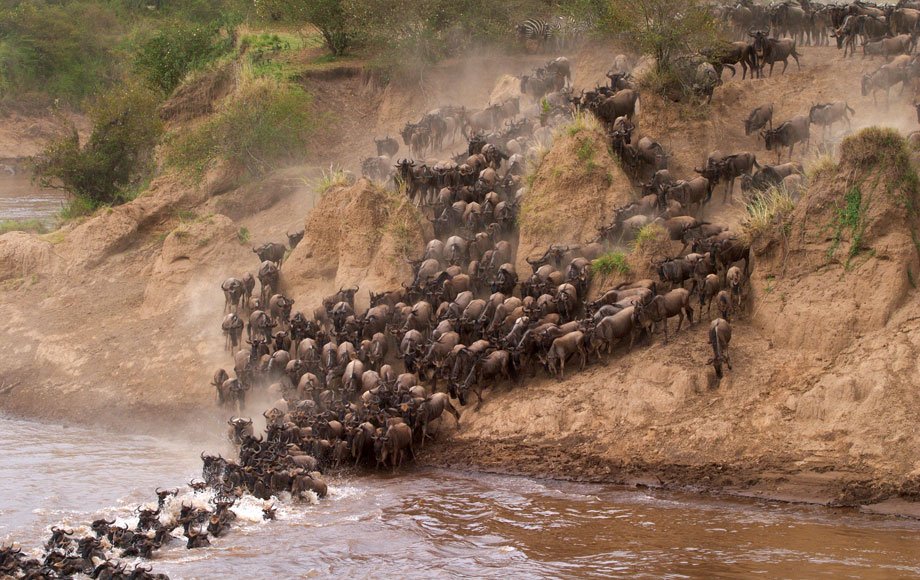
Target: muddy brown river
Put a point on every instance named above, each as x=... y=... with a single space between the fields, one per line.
x=21 y=200
x=428 y=523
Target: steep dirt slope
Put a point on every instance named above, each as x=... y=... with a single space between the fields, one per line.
x=574 y=191
x=358 y=235
x=822 y=402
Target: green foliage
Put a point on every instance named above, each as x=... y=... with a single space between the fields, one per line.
x=31 y=225
x=264 y=126
x=851 y=216
x=649 y=235
x=585 y=151
x=61 y=49
x=269 y=54
x=611 y=262
x=177 y=48
x=243 y=235
x=663 y=28
x=77 y=207
x=126 y=128
x=333 y=18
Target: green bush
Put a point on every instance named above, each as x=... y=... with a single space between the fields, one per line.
x=125 y=130
x=266 y=125
x=178 y=48
x=610 y=263
x=63 y=50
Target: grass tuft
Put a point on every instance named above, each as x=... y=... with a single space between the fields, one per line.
x=610 y=263
x=30 y=225
x=334 y=177
x=766 y=207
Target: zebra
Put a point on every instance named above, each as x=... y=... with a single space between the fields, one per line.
x=536 y=30
x=567 y=32
x=560 y=33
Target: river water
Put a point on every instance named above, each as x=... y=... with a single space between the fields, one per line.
x=20 y=199
x=429 y=523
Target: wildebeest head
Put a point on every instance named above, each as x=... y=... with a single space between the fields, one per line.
x=294 y=239
x=769 y=137
x=866 y=80
x=407 y=132
x=760 y=41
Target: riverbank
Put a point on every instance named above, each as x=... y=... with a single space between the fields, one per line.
x=115 y=320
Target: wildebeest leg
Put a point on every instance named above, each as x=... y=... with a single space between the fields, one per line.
x=785 y=64
x=797 y=63
x=689 y=311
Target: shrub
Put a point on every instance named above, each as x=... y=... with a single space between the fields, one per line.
x=243 y=235
x=59 y=49
x=611 y=262
x=649 y=236
x=125 y=130
x=663 y=28
x=265 y=126
x=176 y=49
x=332 y=18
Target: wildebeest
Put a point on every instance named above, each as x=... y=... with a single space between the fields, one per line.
x=620 y=104
x=888 y=47
x=827 y=114
x=720 y=334
x=294 y=239
x=271 y=252
x=759 y=118
x=770 y=51
x=883 y=79
x=795 y=130
x=387 y=146
x=563 y=348
x=662 y=307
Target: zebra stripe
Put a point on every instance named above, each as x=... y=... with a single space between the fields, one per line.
x=535 y=29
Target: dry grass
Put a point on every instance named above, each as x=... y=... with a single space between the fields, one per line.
x=766 y=208
x=581 y=121
x=333 y=177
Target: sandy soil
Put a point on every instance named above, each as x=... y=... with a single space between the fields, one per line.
x=116 y=319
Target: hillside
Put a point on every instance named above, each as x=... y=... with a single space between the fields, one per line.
x=116 y=319
x=819 y=406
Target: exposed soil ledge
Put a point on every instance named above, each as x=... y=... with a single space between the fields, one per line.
x=572 y=460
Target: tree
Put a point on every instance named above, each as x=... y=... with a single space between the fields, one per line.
x=125 y=130
x=664 y=29
x=331 y=17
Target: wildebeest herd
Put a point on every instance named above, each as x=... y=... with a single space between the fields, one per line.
x=350 y=386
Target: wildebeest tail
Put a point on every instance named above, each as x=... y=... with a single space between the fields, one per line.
x=847 y=105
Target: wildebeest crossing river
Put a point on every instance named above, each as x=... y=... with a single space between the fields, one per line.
x=437 y=523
